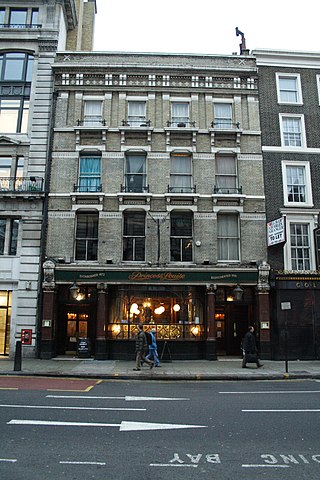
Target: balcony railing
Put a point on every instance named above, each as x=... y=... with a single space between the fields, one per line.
x=20 y=25
x=128 y=189
x=87 y=188
x=21 y=184
x=227 y=190
x=225 y=125
x=136 y=123
x=182 y=124
x=182 y=189
x=91 y=123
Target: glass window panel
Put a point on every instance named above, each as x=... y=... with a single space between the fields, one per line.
x=30 y=61
x=9 y=115
x=228 y=237
x=288 y=89
x=181 y=224
x=20 y=167
x=136 y=113
x=181 y=237
x=179 y=114
x=14 y=66
x=134 y=236
x=296 y=184
x=2 y=235
x=14 y=237
x=226 y=175
x=135 y=178
x=300 y=246
x=25 y=117
x=292 y=131
x=18 y=17
x=5 y=166
x=90 y=174
x=34 y=16
x=222 y=115
x=87 y=237
x=93 y=112
x=134 y=224
x=2 y=14
x=181 y=173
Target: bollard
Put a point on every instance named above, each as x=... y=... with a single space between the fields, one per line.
x=18 y=357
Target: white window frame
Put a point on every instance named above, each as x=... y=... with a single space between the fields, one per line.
x=183 y=120
x=299 y=219
x=226 y=182
x=92 y=120
x=296 y=76
x=308 y=186
x=236 y=216
x=282 y=116
x=222 y=126
x=134 y=120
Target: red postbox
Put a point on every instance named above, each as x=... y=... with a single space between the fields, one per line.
x=26 y=337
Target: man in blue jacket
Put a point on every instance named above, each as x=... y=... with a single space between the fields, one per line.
x=153 y=349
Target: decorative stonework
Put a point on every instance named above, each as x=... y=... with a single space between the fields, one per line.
x=263 y=277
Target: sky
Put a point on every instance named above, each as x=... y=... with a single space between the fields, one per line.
x=203 y=26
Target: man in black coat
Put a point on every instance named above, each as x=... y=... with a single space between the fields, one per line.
x=249 y=347
x=141 y=349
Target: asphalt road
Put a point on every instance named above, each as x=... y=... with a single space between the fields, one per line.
x=169 y=431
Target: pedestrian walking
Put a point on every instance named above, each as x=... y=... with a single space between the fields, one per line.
x=250 y=351
x=153 y=349
x=141 y=349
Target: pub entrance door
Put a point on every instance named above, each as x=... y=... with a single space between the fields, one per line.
x=232 y=321
x=75 y=323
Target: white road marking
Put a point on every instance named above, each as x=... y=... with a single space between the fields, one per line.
x=126 y=398
x=172 y=465
x=11 y=460
x=263 y=465
x=275 y=392
x=123 y=426
x=74 y=408
x=283 y=410
x=82 y=463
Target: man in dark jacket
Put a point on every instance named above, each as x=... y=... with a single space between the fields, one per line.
x=250 y=349
x=141 y=349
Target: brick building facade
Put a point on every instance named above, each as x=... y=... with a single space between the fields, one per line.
x=289 y=94
x=156 y=210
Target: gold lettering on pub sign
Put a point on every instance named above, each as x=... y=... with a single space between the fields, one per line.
x=308 y=284
x=166 y=276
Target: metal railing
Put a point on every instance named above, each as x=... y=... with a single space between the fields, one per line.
x=227 y=190
x=225 y=125
x=21 y=184
x=182 y=189
x=128 y=189
x=21 y=25
x=182 y=124
x=87 y=188
x=91 y=123
x=136 y=123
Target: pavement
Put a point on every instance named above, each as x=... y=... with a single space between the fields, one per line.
x=225 y=368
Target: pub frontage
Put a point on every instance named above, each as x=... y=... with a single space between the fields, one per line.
x=196 y=313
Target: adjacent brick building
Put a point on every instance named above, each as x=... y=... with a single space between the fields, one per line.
x=289 y=93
